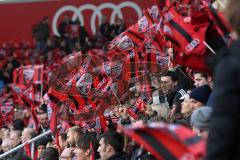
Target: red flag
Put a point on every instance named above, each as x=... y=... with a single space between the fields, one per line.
x=159 y=139
x=28 y=74
x=92 y=154
x=6 y=114
x=76 y=56
x=100 y=124
x=182 y=34
x=27 y=149
x=220 y=22
x=135 y=110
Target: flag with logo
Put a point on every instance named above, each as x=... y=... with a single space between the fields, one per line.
x=28 y=74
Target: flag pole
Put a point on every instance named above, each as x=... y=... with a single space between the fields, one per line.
x=221 y=3
x=210 y=48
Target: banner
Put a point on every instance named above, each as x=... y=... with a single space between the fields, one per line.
x=18 y=19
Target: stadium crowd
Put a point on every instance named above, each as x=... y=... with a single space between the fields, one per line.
x=179 y=95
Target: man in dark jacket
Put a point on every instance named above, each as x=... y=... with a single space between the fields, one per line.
x=111 y=147
x=170 y=88
x=224 y=136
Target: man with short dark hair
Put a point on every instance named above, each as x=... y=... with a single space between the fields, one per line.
x=170 y=89
x=86 y=146
x=201 y=79
x=49 y=153
x=44 y=123
x=111 y=147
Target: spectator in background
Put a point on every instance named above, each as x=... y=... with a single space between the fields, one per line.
x=200 y=121
x=50 y=45
x=84 y=38
x=44 y=123
x=28 y=134
x=99 y=40
x=62 y=141
x=77 y=33
x=83 y=149
x=186 y=111
x=49 y=153
x=105 y=28
x=6 y=145
x=63 y=26
x=73 y=134
x=171 y=92
x=201 y=79
x=67 y=154
x=41 y=145
x=111 y=147
x=15 y=140
x=199 y=96
x=41 y=34
x=63 y=49
x=117 y=28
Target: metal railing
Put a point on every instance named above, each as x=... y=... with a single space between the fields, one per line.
x=32 y=142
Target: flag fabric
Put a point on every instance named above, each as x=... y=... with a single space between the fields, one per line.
x=136 y=110
x=182 y=34
x=28 y=74
x=6 y=114
x=92 y=154
x=220 y=23
x=159 y=139
x=101 y=124
x=27 y=149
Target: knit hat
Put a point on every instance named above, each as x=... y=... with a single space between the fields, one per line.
x=200 y=118
x=201 y=94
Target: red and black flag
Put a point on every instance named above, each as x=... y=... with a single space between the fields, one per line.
x=28 y=74
x=182 y=35
x=6 y=114
x=145 y=23
x=220 y=23
x=136 y=110
x=101 y=124
x=159 y=139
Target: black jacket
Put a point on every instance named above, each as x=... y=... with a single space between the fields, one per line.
x=120 y=156
x=224 y=136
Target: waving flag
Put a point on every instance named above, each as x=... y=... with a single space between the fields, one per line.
x=182 y=34
x=159 y=139
x=28 y=74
